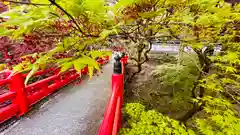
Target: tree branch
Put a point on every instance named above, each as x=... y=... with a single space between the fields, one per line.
x=148 y=50
x=54 y=14
x=196 y=108
x=195 y=84
x=68 y=14
x=226 y=93
x=233 y=98
x=146 y=53
x=138 y=29
x=172 y=33
x=155 y=4
x=127 y=35
x=134 y=59
x=119 y=42
x=139 y=66
x=139 y=63
x=26 y=3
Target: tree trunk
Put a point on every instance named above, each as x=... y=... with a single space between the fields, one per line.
x=140 y=62
x=205 y=64
x=196 y=108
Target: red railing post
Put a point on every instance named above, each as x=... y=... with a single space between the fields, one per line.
x=113 y=118
x=118 y=80
x=17 y=85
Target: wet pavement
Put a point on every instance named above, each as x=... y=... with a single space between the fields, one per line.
x=73 y=110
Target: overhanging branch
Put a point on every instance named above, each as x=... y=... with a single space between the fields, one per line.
x=146 y=53
x=68 y=14
x=26 y=3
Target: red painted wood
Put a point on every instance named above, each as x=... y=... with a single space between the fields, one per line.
x=117 y=118
x=7 y=96
x=42 y=72
x=8 y=112
x=112 y=120
x=3 y=82
x=107 y=123
x=25 y=96
x=17 y=85
x=39 y=84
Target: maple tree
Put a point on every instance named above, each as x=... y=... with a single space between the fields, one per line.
x=46 y=18
x=201 y=25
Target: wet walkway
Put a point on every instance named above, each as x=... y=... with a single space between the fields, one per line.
x=74 y=110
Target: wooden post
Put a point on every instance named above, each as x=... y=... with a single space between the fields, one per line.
x=17 y=85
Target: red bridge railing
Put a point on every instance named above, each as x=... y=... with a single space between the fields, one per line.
x=112 y=120
x=20 y=97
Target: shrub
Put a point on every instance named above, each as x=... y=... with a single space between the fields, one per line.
x=151 y=122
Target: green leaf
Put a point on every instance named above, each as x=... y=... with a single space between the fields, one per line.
x=88 y=61
x=42 y=66
x=67 y=42
x=18 y=67
x=90 y=71
x=31 y=73
x=59 y=48
x=78 y=65
x=5 y=32
x=230 y=69
x=66 y=66
x=2 y=30
x=95 y=54
x=123 y=3
x=40 y=1
x=152 y=13
x=95 y=6
x=191 y=132
x=105 y=33
x=64 y=60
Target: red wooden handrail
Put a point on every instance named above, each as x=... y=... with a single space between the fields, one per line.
x=7 y=96
x=117 y=118
x=41 y=72
x=112 y=120
x=8 y=112
x=39 y=83
x=5 y=81
x=23 y=97
x=107 y=124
